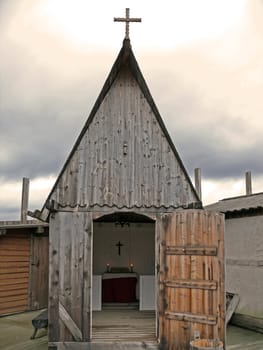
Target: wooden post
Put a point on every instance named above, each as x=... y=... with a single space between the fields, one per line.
x=248 y=183
x=24 y=201
x=198 y=183
x=87 y=277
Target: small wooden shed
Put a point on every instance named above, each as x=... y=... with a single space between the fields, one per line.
x=124 y=208
x=23 y=266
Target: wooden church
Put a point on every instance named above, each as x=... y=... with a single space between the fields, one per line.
x=135 y=262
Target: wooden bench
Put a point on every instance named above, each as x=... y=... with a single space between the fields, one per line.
x=40 y=321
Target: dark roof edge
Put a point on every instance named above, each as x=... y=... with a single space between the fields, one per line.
x=234 y=210
x=242 y=196
x=244 y=212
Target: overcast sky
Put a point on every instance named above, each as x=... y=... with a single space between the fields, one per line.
x=202 y=61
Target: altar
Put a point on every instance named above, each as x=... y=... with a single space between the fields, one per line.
x=123 y=288
x=119 y=287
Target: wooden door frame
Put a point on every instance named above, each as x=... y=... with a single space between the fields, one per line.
x=98 y=215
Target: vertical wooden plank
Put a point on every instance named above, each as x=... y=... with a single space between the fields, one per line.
x=82 y=169
x=44 y=272
x=197 y=219
x=207 y=241
x=31 y=282
x=172 y=272
x=161 y=226
x=39 y=272
x=222 y=292
x=158 y=286
x=87 y=276
x=77 y=238
x=183 y=293
x=53 y=307
x=65 y=246
x=185 y=274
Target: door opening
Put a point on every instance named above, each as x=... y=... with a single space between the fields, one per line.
x=123 y=288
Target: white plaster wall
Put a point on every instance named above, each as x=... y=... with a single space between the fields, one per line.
x=244 y=251
x=247 y=281
x=244 y=238
x=138 y=247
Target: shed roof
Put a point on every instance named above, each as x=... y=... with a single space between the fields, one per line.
x=241 y=203
x=20 y=224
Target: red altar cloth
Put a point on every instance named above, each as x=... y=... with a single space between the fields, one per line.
x=119 y=290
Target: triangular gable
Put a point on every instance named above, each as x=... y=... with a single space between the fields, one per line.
x=144 y=173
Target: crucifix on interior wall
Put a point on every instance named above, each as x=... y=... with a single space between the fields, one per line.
x=119 y=245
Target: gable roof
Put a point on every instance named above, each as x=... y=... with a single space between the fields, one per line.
x=125 y=60
x=237 y=204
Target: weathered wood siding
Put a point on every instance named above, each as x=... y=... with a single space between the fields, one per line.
x=124 y=158
x=39 y=272
x=192 y=292
x=70 y=277
x=14 y=272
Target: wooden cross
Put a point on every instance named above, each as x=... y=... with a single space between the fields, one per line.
x=119 y=245
x=127 y=21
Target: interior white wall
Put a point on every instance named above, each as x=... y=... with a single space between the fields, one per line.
x=138 y=248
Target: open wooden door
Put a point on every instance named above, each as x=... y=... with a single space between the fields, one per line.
x=192 y=293
x=70 y=278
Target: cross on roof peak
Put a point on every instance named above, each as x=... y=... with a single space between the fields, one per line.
x=127 y=21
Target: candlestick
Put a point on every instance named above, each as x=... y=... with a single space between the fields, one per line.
x=131 y=267
x=108 y=267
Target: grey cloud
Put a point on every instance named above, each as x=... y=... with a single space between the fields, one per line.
x=38 y=144
x=222 y=146
x=42 y=112
x=48 y=90
x=9 y=213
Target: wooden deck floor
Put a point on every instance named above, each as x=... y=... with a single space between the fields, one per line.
x=123 y=325
x=15 y=332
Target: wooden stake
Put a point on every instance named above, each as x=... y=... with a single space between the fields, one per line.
x=24 y=201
